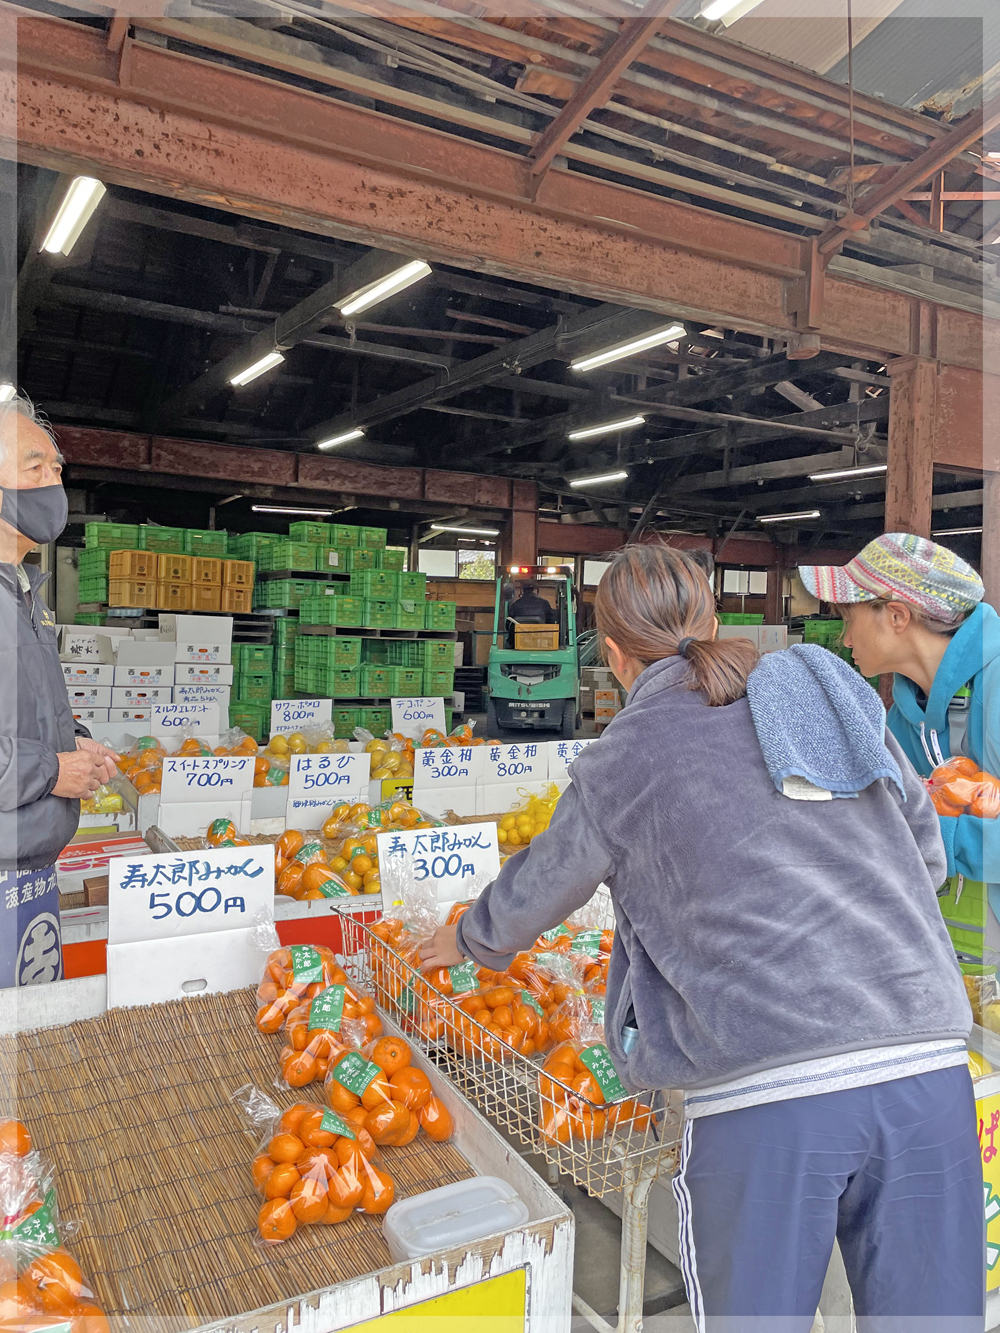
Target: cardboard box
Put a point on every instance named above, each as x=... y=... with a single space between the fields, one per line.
x=88 y=715
x=140 y=696
x=606 y=704
x=91 y=696
x=144 y=653
x=772 y=638
x=205 y=639
x=80 y=674
x=144 y=677
x=128 y=714
x=190 y=694
x=202 y=673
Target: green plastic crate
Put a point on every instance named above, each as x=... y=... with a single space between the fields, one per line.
x=318 y=534
x=376 y=720
x=115 y=536
x=339 y=650
x=409 y=613
x=89 y=618
x=288 y=555
x=93 y=590
x=168 y=541
x=438 y=654
x=207 y=542
x=378 y=583
x=409 y=680
x=273 y=594
x=339 y=682
x=253 y=657
x=255 y=685
x=449 y=714
x=392 y=557
x=332 y=558
x=93 y=561
x=822 y=631
x=413 y=585
x=248 y=545
x=372 y=538
x=283 y=685
x=360 y=557
x=286 y=628
x=393 y=652
x=379 y=613
x=342 y=535
x=344 y=721
x=438 y=682
x=439 y=615
x=376 y=681
x=346 y=611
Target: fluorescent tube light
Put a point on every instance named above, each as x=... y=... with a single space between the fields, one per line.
x=258 y=368
x=7 y=392
x=848 y=473
x=387 y=286
x=727 y=10
x=604 y=476
x=635 y=345
x=788 y=518
x=955 y=532
x=347 y=436
x=606 y=428
x=279 y=509
x=471 y=532
x=79 y=202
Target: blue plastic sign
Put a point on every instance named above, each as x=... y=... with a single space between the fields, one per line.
x=523 y=762
x=188 y=893
x=207 y=777
x=318 y=782
x=412 y=717
x=451 y=858
x=288 y=715
x=30 y=938
x=171 y=719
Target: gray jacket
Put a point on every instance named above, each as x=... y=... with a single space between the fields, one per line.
x=752 y=930
x=36 y=724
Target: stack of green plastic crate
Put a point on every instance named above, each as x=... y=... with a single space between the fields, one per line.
x=253 y=686
x=413 y=585
x=393 y=652
x=251 y=716
x=438 y=654
x=273 y=594
x=409 y=613
x=318 y=534
x=407 y=681
x=372 y=539
x=92 y=563
x=376 y=682
x=739 y=618
x=393 y=557
x=252 y=657
x=378 y=583
x=377 y=720
x=168 y=541
x=439 y=681
x=288 y=555
x=357 y=558
x=89 y=618
x=379 y=613
x=113 y=536
x=826 y=632
x=93 y=589
x=206 y=542
x=439 y=615
x=248 y=545
x=318 y=660
x=329 y=608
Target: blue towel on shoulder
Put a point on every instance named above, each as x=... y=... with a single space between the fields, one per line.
x=817 y=718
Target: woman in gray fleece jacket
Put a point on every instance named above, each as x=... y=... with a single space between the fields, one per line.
x=784 y=962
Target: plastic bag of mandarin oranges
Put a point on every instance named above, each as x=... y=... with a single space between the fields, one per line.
x=41 y=1283
x=302 y=869
x=292 y=975
x=142 y=764
x=582 y=1096
x=378 y=1089
x=960 y=787
x=312 y=1166
x=340 y=1018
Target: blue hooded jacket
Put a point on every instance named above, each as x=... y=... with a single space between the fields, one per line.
x=973 y=659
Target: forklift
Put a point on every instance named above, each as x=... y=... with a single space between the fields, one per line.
x=533 y=681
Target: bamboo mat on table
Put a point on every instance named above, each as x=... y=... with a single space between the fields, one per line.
x=152 y=1159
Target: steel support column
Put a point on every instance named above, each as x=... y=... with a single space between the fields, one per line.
x=912 y=420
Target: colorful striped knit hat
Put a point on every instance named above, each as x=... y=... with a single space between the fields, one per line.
x=902 y=566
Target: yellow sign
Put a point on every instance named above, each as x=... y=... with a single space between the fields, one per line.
x=497 y=1305
x=988 y=1116
x=397 y=789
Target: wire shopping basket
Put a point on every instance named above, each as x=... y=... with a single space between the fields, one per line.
x=601 y=1145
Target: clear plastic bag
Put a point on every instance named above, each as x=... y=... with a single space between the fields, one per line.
x=106 y=800
x=292 y=975
x=532 y=817
x=340 y=1018
x=582 y=1096
x=380 y=1090
x=959 y=787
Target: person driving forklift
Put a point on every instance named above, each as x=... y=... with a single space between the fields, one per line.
x=529 y=606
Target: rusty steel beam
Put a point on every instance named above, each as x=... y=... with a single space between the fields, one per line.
x=933 y=159
x=222 y=137
x=633 y=36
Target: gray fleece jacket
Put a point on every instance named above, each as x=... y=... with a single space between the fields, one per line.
x=752 y=930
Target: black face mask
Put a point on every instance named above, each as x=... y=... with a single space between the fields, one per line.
x=39 y=514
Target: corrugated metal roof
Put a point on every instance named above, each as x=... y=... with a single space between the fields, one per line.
x=812 y=33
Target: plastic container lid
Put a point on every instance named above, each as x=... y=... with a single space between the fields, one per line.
x=452 y=1215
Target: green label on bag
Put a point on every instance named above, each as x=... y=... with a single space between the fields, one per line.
x=305 y=853
x=327 y=1009
x=218 y=827
x=332 y=1123
x=39 y=1228
x=332 y=888
x=597 y=1011
x=554 y=933
x=146 y=743
x=275 y=776
x=598 y=1060
x=588 y=942
x=528 y=999
x=307 y=966
x=356 y=1073
x=463 y=978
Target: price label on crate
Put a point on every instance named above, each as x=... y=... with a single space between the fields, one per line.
x=318 y=782
x=188 y=893
x=516 y=763
x=293 y=714
x=412 y=717
x=200 y=778
x=449 y=766
x=450 y=858
x=171 y=719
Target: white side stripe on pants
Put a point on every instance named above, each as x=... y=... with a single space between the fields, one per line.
x=689 y=1263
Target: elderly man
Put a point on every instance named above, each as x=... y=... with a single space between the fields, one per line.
x=48 y=763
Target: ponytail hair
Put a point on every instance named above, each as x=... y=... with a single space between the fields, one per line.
x=654 y=602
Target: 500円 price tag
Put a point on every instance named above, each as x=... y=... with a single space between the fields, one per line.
x=188 y=893
x=318 y=782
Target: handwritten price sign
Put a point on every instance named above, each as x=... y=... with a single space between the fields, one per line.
x=318 y=782
x=293 y=714
x=449 y=767
x=516 y=763
x=195 y=778
x=412 y=717
x=169 y=719
x=449 y=857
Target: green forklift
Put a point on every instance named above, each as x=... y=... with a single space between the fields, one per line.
x=533 y=682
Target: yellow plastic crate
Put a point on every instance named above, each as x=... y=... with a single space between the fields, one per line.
x=536 y=638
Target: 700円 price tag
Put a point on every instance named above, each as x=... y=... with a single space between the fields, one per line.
x=197 y=777
x=188 y=893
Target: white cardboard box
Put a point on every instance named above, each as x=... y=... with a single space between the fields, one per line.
x=772 y=638
x=157 y=971
x=91 y=696
x=144 y=654
x=81 y=642
x=201 y=639
x=141 y=696
x=88 y=715
x=202 y=673
x=80 y=674
x=190 y=694
x=150 y=677
x=128 y=714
